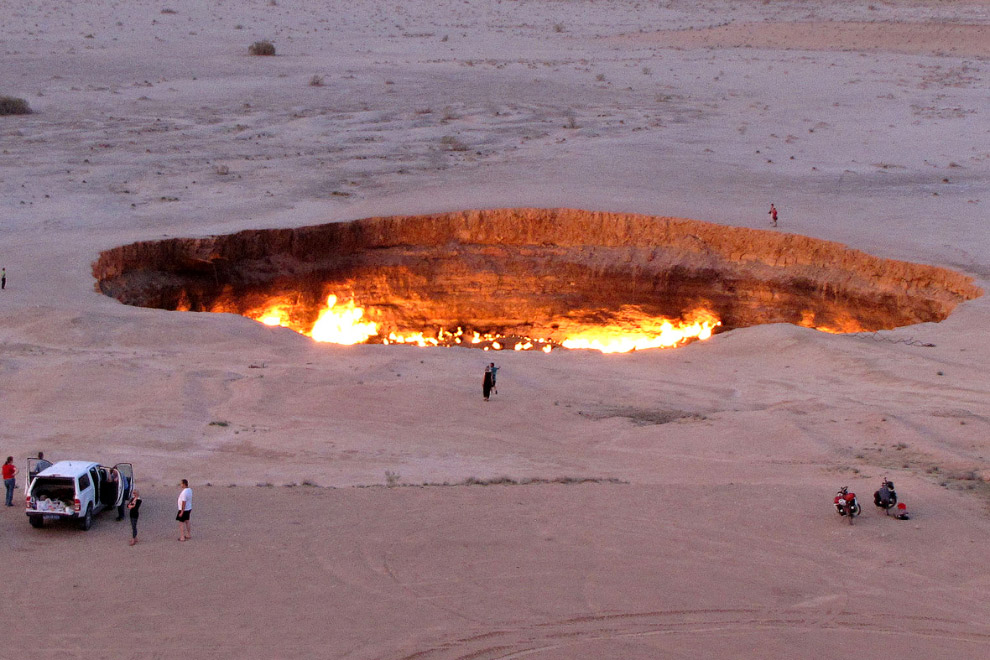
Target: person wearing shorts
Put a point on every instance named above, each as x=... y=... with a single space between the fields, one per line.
x=185 y=510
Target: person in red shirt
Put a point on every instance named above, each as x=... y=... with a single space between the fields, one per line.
x=773 y=215
x=9 y=472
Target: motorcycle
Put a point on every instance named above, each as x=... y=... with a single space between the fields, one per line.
x=846 y=504
x=886 y=497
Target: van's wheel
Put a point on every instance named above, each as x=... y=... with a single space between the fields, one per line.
x=87 y=520
x=37 y=521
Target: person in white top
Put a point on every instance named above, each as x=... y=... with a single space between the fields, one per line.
x=185 y=509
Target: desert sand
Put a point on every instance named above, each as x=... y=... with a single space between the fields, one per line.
x=661 y=504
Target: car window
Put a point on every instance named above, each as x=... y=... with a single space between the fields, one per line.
x=84 y=482
x=62 y=489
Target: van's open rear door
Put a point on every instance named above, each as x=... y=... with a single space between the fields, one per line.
x=35 y=465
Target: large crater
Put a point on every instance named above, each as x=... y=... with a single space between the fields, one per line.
x=545 y=273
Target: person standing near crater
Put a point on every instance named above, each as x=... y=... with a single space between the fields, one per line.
x=486 y=383
x=3 y=277
x=40 y=464
x=185 y=510
x=494 y=377
x=10 y=480
x=134 y=505
x=773 y=215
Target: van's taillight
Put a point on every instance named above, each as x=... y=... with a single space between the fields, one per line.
x=76 y=505
x=27 y=502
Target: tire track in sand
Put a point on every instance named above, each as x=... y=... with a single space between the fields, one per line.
x=533 y=640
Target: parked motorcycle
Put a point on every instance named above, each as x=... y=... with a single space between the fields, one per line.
x=846 y=504
x=886 y=497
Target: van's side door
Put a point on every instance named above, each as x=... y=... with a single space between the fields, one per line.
x=95 y=478
x=126 y=472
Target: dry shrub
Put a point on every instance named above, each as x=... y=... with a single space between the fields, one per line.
x=452 y=143
x=263 y=47
x=10 y=105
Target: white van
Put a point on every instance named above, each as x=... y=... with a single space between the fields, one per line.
x=76 y=490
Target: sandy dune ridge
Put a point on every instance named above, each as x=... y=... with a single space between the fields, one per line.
x=923 y=38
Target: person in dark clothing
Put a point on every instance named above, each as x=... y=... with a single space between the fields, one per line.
x=486 y=384
x=134 y=506
x=494 y=377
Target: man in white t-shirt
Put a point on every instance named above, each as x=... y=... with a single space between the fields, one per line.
x=185 y=510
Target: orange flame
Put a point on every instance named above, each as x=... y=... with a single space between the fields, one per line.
x=342 y=323
x=648 y=333
x=840 y=325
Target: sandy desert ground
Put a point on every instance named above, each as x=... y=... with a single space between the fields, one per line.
x=699 y=522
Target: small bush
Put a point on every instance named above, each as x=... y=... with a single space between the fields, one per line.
x=392 y=479
x=264 y=47
x=452 y=143
x=316 y=81
x=10 y=105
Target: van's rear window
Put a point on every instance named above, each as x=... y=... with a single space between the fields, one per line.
x=56 y=488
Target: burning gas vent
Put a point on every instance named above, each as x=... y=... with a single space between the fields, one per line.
x=529 y=278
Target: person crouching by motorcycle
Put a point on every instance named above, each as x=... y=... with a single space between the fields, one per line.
x=885 y=498
x=901 y=512
x=846 y=504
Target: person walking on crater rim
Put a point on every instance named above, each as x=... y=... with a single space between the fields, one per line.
x=773 y=214
x=9 y=480
x=486 y=384
x=494 y=377
x=185 y=510
x=3 y=277
x=134 y=506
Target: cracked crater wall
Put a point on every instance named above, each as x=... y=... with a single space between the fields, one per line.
x=536 y=272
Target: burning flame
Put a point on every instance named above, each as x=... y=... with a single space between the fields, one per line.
x=840 y=325
x=343 y=323
x=659 y=333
